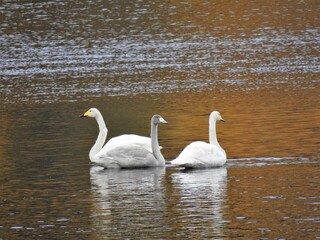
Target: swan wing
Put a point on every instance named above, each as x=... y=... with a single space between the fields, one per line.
x=200 y=155
x=127 y=139
x=127 y=156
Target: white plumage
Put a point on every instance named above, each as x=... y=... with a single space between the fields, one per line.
x=201 y=154
x=126 y=151
x=125 y=139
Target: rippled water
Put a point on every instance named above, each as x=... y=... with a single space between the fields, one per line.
x=111 y=49
x=255 y=62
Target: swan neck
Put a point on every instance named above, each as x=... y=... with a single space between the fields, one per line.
x=155 y=144
x=100 y=122
x=213 y=135
x=212 y=132
x=103 y=131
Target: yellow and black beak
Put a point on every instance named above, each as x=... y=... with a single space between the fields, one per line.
x=222 y=120
x=86 y=114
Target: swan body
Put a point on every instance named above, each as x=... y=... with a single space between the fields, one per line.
x=201 y=154
x=125 y=139
x=127 y=156
x=126 y=151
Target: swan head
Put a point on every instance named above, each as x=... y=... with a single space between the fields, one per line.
x=216 y=116
x=92 y=112
x=158 y=119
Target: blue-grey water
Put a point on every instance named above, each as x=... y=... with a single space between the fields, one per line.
x=258 y=63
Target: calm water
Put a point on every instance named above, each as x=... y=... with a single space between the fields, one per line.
x=256 y=62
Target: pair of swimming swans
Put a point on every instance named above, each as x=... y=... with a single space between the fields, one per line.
x=134 y=151
x=126 y=151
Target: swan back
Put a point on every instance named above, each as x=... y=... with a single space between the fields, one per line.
x=126 y=139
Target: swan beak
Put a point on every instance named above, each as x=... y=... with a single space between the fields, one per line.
x=222 y=120
x=163 y=121
x=86 y=114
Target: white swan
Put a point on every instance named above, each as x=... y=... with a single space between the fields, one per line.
x=201 y=154
x=126 y=153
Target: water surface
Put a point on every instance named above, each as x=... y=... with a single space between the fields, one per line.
x=255 y=62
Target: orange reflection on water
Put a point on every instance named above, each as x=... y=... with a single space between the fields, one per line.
x=262 y=202
x=259 y=123
x=248 y=16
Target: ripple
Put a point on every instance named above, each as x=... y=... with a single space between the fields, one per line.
x=315 y=219
x=17 y=227
x=49 y=70
x=62 y=219
x=47 y=226
x=241 y=217
x=273 y=197
x=264 y=161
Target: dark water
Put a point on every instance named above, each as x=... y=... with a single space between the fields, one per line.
x=256 y=62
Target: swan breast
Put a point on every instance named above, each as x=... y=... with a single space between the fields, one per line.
x=200 y=155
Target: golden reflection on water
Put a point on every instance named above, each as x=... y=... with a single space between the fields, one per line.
x=249 y=15
x=276 y=202
x=259 y=123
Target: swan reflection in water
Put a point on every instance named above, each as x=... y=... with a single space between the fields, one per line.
x=125 y=200
x=157 y=202
x=202 y=195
